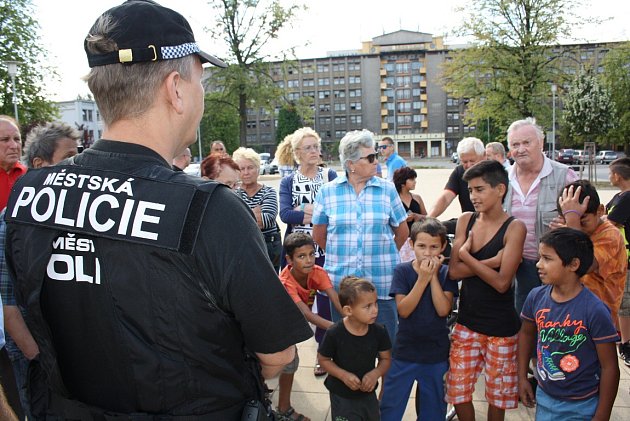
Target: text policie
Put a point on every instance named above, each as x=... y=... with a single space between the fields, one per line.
x=48 y=205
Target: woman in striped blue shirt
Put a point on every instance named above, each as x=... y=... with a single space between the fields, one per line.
x=262 y=200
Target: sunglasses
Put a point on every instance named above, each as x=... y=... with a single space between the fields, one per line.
x=370 y=158
x=383 y=147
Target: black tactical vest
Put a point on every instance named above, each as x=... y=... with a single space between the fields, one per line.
x=105 y=265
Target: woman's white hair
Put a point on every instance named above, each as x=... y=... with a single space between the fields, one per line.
x=351 y=144
x=247 y=153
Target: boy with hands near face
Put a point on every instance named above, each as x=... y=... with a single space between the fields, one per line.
x=606 y=278
x=424 y=297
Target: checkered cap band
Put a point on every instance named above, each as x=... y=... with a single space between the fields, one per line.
x=179 y=51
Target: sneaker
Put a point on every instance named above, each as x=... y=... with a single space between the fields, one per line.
x=624 y=353
x=549 y=368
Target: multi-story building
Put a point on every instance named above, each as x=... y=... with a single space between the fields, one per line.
x=82 y=114
x=391 y=87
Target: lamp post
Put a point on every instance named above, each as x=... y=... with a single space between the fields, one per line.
x=12 y=69
x=554 y=88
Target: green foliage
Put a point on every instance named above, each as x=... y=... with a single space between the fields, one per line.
x=288 y=122
x=617 y=78
x=247 y=26
x=588 y=108
x=20 y=41
x=507 y=70
x=219 y=122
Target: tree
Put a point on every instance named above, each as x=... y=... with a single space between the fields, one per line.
x=506 y=71
x=19 y=41
x=588 y=108
x=247 y=26
x=219 y=122
x=617 y=79
x=288 y=121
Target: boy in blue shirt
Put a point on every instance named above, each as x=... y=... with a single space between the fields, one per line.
x=578 y=373
x=424 y=298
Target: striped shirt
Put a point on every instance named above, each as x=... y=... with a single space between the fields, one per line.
x=360 y=238
x=267 y=199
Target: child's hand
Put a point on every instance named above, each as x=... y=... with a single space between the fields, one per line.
x=526 y=393
x=558 y=222
x=369 y=381
x=467 y=244
x=351 y=380
x=425 y=269
x=570 y=201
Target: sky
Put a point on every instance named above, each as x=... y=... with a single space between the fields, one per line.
x=327 y=25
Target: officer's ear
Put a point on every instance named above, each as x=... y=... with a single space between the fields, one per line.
x=174 y=94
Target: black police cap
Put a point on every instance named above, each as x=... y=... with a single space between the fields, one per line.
x=145 y=31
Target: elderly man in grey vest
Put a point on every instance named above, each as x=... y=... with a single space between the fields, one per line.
x=535 y=183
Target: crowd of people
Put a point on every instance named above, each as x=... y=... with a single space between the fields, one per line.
x=129 y=292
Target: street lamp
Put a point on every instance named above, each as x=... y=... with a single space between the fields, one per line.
x=12 y=69
x=554 y=88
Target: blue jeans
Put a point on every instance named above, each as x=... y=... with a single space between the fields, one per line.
x=526 y=280
x=552 y=409
x=397 y=387
x=387 y=315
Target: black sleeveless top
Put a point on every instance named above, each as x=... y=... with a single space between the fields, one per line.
x=414 y=207
x=482 y=308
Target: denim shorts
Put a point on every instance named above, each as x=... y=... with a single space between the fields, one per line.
x=552 y=409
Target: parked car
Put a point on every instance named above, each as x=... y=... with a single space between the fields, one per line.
x=566 y=156
x=582 y=157
x=605 y=157
x=266 y=165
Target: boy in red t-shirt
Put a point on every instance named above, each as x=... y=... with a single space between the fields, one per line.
x=302 y=278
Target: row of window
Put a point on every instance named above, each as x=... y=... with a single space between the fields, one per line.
x=403 y=67
x=88 y=115
x=354 y=119
x=405 y=93
x=405 y=120
x=404 y=80
x=455 y=129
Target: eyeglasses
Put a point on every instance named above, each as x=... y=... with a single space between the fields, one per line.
x=383 y=147
x=370 y=158
x=309 y=148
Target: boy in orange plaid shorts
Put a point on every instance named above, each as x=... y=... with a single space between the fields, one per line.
x=487 y=250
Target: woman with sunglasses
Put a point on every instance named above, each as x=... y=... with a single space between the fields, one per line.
x=360 y=221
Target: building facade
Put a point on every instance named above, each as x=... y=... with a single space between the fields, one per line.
x=391 y=87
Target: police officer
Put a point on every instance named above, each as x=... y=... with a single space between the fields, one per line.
x=144 y=297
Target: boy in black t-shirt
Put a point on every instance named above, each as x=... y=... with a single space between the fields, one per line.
x=618 y=210
x=349 y=349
